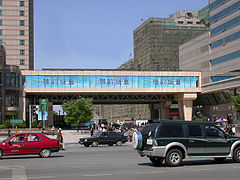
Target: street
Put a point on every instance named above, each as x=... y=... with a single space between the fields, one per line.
x=113 y=163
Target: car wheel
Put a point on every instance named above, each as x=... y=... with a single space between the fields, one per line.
x=1 y=153
x=94 y=144
x=156 y=160
x=219 y=159
x=86 y=145
x=236 y=155
x=44 y=153
x=110 y=144
x=119 y=143
x=174 y=157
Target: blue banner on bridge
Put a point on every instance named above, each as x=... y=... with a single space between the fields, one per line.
x=111 y=82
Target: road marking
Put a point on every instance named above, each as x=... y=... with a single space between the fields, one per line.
x=147 y=172
x=5 y=178
x=87 y=175
x=43 y=177
x=19 y=173
x=195 y=170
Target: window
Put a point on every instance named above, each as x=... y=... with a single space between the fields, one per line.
x=0 y=32
x=229 y=10
x=21 y=3
x=172 y=130
x=0 y=2
x=22 y=33
x=0 y=42
x=194 y=131
x=21 y=13
x=213 y=132
x=226 y=57
x=0 y=12
x=33 y=138
x=0 y=22
x=22 y=42
x=18 y=138
x=189 y=22
x=21 y=22
x=227 y=25
x=22 y=52
x=22 y=62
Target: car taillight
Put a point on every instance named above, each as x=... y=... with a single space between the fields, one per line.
x=154 y=143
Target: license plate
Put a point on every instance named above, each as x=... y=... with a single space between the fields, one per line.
x=149 y=141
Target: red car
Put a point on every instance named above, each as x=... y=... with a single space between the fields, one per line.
x=29 y=143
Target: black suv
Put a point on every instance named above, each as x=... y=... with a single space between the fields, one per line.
x=173 y=140
x=109 y=138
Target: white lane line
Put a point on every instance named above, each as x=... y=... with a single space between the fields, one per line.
x=149 y=172
x=19 y=173
x=89 y=175
x=42 y=177
x=196 y=170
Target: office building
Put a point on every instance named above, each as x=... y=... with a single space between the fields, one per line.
x=16 y=32
x=217 y=55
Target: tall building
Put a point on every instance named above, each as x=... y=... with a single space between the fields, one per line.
x=10 y=89
x=157 y=40
x=217 y=55
x=16 y=32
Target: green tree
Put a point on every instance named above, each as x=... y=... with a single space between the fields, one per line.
x=78 y=111
x=236 y=102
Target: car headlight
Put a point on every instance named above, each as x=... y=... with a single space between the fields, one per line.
x=85 y=140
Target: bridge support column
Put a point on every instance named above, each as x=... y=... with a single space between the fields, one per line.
x=50 y=114
x=165 y=106
x=185 y=103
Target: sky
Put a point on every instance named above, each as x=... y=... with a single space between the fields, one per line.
x=94 y=34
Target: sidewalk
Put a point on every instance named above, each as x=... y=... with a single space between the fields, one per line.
x=69 y=136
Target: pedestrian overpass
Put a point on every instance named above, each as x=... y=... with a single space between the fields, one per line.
x=113 y=87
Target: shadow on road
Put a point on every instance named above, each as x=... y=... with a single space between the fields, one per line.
x=192 y=163
x=29 y=157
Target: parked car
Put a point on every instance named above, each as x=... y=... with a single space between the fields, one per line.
x=29 y=143
x=109 y=138
x=127 y=126
x=173 y=141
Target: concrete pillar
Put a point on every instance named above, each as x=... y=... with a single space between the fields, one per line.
x=50 y=114
x=165 y=106
x=185 y=101
x=180 y=110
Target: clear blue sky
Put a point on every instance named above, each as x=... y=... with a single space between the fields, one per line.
x=94 y=34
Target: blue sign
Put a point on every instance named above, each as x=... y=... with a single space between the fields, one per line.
x=111 y=82
x=44 y=117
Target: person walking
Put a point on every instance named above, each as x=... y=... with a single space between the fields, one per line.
x=60 y=138
x=9 y=132
x=92 y=129
x=53 y=130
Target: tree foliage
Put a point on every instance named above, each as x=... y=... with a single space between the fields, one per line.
x=236 y=102
x=78 y=111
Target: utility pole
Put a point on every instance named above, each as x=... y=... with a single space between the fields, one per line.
x=30 y=118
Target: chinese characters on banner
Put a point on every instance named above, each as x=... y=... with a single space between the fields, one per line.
x=111 y=81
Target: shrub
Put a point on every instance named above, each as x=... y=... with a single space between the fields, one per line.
x=2 y=126
x=39 y=126
x=8 y=124
x=34 y=124
x=23 y=124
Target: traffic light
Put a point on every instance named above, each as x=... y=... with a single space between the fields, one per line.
x=34 y=112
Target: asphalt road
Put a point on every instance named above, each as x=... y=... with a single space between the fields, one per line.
x=110 y=163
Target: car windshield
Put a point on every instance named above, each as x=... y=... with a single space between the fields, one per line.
x=5 y=140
